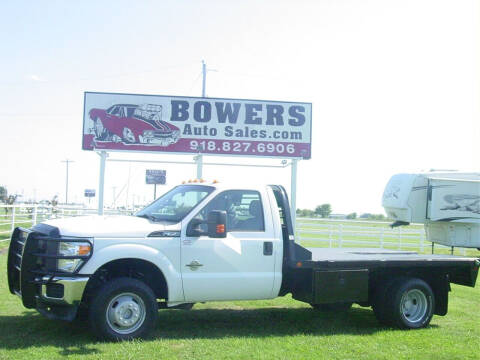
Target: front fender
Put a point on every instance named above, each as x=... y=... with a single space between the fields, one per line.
x=141 y=252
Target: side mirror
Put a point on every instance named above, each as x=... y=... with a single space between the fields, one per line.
x=217 y=224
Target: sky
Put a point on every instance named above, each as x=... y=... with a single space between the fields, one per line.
x=394 y=87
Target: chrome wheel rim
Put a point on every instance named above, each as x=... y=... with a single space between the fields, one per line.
x=414 y=305
x=126 y=313
x=128 y=135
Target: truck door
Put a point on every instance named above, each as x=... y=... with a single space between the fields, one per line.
x=240 y=266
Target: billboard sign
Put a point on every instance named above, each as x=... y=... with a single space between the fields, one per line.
x=156 y=177
x=89 y=193
x=175 y=124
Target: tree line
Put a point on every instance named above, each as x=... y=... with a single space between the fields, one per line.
x=325 y=210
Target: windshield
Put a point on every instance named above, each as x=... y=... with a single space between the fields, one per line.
x=175 y=204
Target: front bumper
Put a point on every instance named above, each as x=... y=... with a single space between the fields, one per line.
x=62 y=290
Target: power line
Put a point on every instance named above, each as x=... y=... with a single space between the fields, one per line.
x=113 y=76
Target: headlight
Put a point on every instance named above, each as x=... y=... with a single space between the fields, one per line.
x=72 y=249
x=148 y=133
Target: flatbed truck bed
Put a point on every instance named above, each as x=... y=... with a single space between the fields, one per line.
x=333 y=279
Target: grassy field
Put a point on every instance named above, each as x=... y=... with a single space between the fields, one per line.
x=276 y=329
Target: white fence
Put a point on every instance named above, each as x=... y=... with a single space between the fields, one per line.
x=26 y=215
x=310 y=231
x=355 y=233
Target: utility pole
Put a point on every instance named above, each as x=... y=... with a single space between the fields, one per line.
x=67 y=162
x=204 y=77
x=199 y=157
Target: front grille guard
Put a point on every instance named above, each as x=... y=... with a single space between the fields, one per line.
x=29 y=265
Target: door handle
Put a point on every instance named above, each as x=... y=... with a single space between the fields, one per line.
x=267 y=248
x=194 y=265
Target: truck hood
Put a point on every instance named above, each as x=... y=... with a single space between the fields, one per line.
x=109 y=226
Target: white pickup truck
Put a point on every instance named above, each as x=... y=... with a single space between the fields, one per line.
x=206 y=242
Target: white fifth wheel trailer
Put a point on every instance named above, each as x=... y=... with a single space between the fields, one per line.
x=447 y=203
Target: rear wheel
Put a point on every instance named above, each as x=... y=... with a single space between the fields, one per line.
x=344 y=306
x=410 y=304
x=123 y=309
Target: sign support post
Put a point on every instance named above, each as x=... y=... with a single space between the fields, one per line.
x=101 y=184
x=199 y=161
x=154 y=191
x=293 y=193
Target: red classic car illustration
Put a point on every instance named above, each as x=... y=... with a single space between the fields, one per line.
x=133 y=124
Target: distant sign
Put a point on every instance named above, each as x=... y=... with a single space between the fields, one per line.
x=89 y=192
x=156 y=177
x=191 y=125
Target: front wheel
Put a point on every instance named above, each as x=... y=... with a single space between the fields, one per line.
x=123 y=309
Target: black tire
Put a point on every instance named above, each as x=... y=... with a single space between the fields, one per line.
x=138 y=304
x=410 y=304
x=335 y=307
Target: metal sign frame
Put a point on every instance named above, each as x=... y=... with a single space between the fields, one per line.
x=198 y=160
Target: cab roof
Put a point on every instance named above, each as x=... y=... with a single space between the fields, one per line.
x=228 y=185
